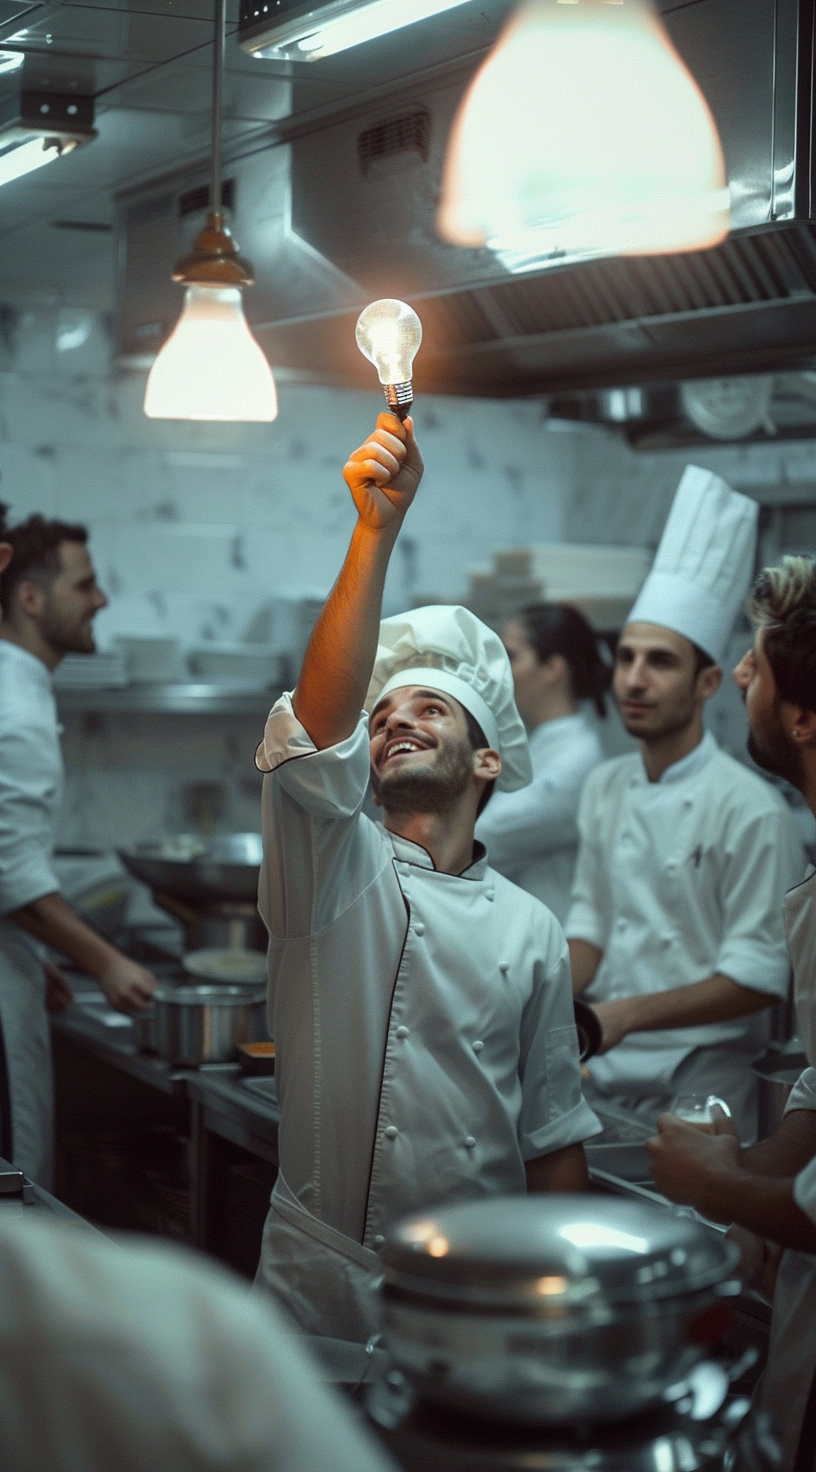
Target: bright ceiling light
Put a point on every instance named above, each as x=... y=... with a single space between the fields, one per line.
x=38 y=127
x=211 y=367
x=314 y=34
x=584 y=134
x=11 y=61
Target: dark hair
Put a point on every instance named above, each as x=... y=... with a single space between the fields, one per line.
x=35 y=543
x=556 y=628
x=478 y=740
x=783 y=603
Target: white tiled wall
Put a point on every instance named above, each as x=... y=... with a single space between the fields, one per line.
x=196 y=527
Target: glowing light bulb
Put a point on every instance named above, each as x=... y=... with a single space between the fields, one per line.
x=584 y=134
x=211 y=367
x=389 y=333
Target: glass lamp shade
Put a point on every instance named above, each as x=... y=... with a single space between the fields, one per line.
x=389 y=333
x=584 y=134
x=211 y=367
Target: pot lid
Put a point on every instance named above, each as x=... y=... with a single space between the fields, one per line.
x=549 y=1252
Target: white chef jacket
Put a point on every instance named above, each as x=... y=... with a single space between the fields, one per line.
x=31 y=785
x=139 y=1356
x=678 y=880
x=785 y=1386
x=532 y=835
x=426 y=1045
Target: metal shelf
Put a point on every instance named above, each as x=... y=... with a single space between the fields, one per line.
x=233 y=698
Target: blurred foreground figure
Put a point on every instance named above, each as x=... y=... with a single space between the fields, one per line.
x=142 y=1358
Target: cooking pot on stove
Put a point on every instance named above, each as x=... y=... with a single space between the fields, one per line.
x=550 y=1310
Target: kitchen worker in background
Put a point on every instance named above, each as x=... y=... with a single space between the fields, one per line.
x=49 y=596
x=675 y=926
x=532 y=835
x=770 y=1189
x=420 y=1003
x=139 y=1356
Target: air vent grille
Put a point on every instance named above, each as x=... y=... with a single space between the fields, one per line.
x=196 y=201
x=744 y=271
x=409 y=133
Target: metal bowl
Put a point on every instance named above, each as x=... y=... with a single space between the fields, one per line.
x=198 y=871
x=548 y=1310
x=205 y=1024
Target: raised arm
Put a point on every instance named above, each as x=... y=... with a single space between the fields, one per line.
x=383 y=476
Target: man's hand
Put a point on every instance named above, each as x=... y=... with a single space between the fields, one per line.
x=616 y=1018
x=383 y=475
x=127 y=986
x=58 y=994
x=687 y=1164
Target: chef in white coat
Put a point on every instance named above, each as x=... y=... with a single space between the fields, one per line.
x=532 y=835
x=675 y=926
x=49 y=596
x=420 y=1003
x=770 y=1189
x=139 y=1356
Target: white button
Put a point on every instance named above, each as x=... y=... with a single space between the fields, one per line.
x=419 y=928
x=490 y=894
x=379 y=1240
x=477 y=1046
x=403 y=1032
x=688 y=802
x=403 y=868
x=391 y=1132
x=671 y=866
x=504 y=967
x=667 y=939
x=620 y=924
x=469 y=1142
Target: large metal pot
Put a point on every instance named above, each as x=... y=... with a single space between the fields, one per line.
x=205 y=1024
x=198 y=871
x=550 y=1310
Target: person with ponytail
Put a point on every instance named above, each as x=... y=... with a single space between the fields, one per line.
x=532 y=835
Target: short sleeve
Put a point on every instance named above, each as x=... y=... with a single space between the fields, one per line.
x=766 y=859
x=30 y=778
x=554 y=1113
x=320 y=852
x=803 y=1093
x=588 y=917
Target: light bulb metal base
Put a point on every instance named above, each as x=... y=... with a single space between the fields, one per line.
x=214 y=258
x=399 y=397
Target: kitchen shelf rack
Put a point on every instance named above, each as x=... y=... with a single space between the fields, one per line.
x=224 y=698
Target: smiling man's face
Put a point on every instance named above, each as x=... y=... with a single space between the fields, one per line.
x=421 y=757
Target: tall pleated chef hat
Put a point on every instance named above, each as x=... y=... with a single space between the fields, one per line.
x=704 y=564
x=450 y=650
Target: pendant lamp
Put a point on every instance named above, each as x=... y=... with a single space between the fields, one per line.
x=584 y=134
x=211 y=367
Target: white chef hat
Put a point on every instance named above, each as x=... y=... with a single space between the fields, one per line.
x=704 y=564
x=449 y=649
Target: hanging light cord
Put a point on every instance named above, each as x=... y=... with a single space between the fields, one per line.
x=217 y=105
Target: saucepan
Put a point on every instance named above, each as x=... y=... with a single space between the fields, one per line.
x=205 y=1024
x=553 y=1310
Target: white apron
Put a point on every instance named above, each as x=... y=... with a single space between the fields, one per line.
x=785 y=1386
x=326 y=1281
x=31 y=780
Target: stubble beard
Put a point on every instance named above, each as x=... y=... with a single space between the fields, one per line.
x=436 y=789
x=777 y=754
x=64 y=639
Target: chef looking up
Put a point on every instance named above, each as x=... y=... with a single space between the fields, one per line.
x=675 y=927
x=770 y=1189
x=49 y=596
x=532 y=835
x=420 y=1003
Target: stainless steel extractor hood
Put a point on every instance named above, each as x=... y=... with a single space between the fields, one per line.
x=341 y=207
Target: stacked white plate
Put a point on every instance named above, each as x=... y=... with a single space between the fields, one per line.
x=91 y=671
